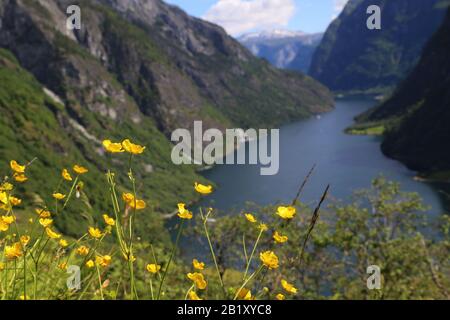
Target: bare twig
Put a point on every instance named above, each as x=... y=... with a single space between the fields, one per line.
x=313 y=222
x=303 y=184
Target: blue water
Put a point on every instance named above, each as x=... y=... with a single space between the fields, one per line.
x=346 y=162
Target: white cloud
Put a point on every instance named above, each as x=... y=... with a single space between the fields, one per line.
x=239 y=16
x=338 y=7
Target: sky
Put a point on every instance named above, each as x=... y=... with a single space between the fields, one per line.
x=243 y=16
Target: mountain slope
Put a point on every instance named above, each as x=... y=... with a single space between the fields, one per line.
x=419 y=111
x=34 y=124
x=248 y=91
x=123 y=77
x=354 y=58
x=284 y=50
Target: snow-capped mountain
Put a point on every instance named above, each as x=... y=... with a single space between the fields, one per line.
x=283 y=48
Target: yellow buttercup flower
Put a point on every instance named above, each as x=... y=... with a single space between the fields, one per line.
x=198 y=265
x=280 y=296
x=20 y=177
x=286 y=213
x=95 y=233
x=263 y=227
x=132 y=148
x=108 y=220
x=193 y=296
x=132 y=202
x=8 y=219
x=153 y=268
x=183 y=213
x=198 y=280
x=103 y=261
x=14 y=251
x=3 y=197
x=90 y=264
x=202 y=189
x=24 y=240
x=3 y=226
x=66 y=175
x=128 y=197
x=15 y=201
x=59 y=196
x=52 y=234
x=113 y=147
x=269 y=259
x=62 y=266
x=250 y=217
x=63 y=243
x=288 y=287
x=245 y=294
x=42 y=213
x=17 y=167
x=279 y=238
x=45 y=222
x=83 y=251
x=6 y=186
x=79 y=169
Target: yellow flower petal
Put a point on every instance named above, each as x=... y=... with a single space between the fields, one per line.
x=52 y=234
x=193 y=296
x=66 y=175
x=83 y=251
x=198 y=265
x=17 y=167
x=153 y=268
x=132 y=148
x=45 y=222
x=269 y=259
x=113 y=147
x=183 y=213
x=202 y=189
x=280 y=296
x=59 y=196
x=250 y=217
x=108 y=220
x=279 y=238
x=286 y=213
x=198 y=280
x=95 y=233
x=79 y=169
x=288 y=287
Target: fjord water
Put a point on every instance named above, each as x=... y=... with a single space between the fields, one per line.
x=346 y=162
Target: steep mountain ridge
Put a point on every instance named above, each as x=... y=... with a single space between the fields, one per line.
x=418 y=113
x=352 y=58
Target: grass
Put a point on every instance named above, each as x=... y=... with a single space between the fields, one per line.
x=368 y=131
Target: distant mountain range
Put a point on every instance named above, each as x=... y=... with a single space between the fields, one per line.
x=282 y=48
x=352 y=58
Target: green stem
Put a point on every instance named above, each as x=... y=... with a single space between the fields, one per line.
x=252 y=254
x=187 y=293
x=205 y=220
x=100 y=282
x=180 y=229
x=248 y=280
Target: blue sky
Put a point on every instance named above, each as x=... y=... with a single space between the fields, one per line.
x=240 y=16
